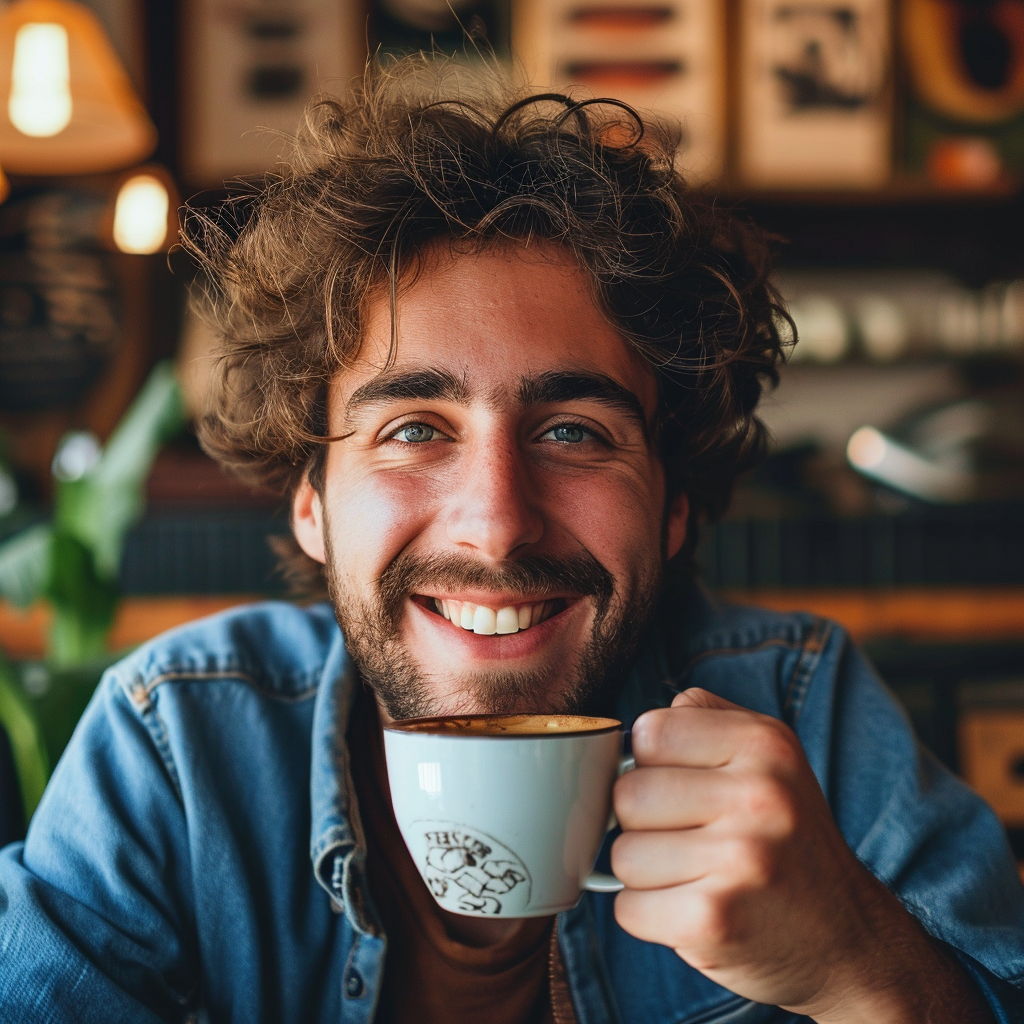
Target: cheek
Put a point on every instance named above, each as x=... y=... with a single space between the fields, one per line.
x=373 y=519
x=617 y=518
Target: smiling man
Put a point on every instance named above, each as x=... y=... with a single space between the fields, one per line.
x=503 y=364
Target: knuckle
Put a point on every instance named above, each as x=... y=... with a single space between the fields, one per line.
x=712 y=920
x=775 y=743
x=756 y=864
x=768 y=806
x=762 y=798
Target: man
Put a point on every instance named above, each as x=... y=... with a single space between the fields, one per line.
x=503 y=363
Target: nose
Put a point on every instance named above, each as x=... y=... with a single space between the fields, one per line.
x=493 y=509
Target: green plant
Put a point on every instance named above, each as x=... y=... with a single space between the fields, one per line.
x=73 y=561
x=31 y=758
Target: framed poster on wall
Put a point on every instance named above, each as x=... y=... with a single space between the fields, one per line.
x=814 y=93
x=664 y=57
x=253 y=64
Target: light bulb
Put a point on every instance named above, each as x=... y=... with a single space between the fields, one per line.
x=140 y=215
x=40 y=100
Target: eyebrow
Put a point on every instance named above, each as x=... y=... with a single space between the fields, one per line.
x=576 y=385
x=429 y=385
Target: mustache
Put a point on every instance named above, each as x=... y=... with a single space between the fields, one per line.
x=581 y=575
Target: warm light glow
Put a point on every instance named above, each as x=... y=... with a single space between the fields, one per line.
x=140 y=215
x=40 y=100
x=866 y=448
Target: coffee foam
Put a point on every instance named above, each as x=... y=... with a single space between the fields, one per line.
x=506 y=725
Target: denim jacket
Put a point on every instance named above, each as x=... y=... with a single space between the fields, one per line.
x=198 y=853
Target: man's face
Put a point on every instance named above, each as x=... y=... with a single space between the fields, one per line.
x=493 y=523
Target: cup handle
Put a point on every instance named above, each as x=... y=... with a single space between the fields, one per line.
x=600 y=881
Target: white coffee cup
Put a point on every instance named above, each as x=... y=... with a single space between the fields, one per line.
x=504 y=814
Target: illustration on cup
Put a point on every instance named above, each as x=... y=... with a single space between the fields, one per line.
x=470 y=872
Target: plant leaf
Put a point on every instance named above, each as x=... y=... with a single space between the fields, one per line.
x=83 y=602
x=27 y=745
x=25 y=565
x=100 y=508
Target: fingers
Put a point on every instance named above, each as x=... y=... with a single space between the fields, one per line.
x=671 y=798
x=701 y=730
x=698 y=737
x=695 y=697
x=658 y=860
x=684 y=917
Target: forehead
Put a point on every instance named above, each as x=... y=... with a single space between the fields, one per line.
x=494 y=318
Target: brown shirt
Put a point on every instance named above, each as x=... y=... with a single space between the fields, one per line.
x=430 y=977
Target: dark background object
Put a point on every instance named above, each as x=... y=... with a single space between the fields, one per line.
x=59 y=311
x=12 y=814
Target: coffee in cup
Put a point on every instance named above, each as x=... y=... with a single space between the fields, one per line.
x=504 y=814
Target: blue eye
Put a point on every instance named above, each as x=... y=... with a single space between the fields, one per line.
x=569 y=433
x=415 y=433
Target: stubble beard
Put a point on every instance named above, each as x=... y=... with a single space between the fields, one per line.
x=587 y=686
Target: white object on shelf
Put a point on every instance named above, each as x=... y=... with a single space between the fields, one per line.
x=823 y=334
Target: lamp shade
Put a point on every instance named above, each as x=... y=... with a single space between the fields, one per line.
x=66 y=103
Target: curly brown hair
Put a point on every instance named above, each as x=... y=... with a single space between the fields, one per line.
x=423 y=151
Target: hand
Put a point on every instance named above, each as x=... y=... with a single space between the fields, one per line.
x=730 y=856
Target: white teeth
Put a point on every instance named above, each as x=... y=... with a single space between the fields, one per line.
x=507 y=620
x=485 y=620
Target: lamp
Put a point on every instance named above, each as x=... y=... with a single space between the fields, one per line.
x=143 y=218
x=70 y=108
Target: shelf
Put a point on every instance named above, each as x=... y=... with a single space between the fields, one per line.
x=23 y=632
x=953 y=614
x=900 y=191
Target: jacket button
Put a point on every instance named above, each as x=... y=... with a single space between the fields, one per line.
x=354 y=986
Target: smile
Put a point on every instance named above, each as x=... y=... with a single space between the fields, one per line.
x=485 y=621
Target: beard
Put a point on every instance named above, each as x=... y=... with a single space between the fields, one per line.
x=372 y=631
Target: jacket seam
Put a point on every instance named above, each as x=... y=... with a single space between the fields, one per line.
x=157 y=730
x=182 y=675
x=803 y=672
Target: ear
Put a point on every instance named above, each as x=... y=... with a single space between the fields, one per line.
x=675 y=525
x=308 y=521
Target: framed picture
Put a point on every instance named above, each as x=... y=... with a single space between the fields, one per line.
x=815 y=93
x=253 y=64
x=666 y=57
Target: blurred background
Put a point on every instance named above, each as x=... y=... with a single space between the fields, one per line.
x=881 y=142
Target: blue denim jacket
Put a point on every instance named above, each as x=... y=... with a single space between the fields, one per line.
x=198 y=852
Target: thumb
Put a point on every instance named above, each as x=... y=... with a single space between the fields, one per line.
x=695 y=697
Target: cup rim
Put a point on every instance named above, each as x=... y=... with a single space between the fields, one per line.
x=421 y=727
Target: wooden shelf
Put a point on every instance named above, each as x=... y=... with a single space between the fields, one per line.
x=903 y=190
x=922 y=614
x=23 y=631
